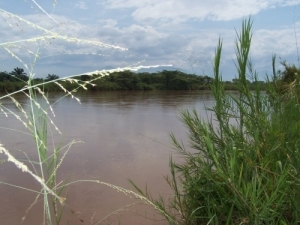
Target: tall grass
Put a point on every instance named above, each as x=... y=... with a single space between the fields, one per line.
x=241 y=164
x=39 y=116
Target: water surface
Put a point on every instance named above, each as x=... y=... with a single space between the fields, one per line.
x=125 y=135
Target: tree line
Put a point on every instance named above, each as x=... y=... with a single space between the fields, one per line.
x=125 y=80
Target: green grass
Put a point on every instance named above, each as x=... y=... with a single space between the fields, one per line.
x=241 y=164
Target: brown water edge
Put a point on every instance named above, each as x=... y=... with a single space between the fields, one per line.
x=126 y=136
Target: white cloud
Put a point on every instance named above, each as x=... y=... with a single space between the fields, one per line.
x=267 y=42
x=180 y=44
x=182 y=10
x=50 y=50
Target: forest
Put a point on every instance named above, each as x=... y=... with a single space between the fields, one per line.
x=125 y=80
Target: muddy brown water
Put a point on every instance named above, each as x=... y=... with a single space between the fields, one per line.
x=125 y=136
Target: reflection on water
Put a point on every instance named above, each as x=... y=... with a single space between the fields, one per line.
x=125 y=135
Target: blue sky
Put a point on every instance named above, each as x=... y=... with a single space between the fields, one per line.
x=181 y=33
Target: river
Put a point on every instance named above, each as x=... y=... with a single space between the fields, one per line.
x=123 y=135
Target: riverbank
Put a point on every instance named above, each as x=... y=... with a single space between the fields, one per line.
x=128 y=80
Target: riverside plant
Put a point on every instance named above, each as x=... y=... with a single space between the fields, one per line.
x=39 y=115
x=242 y=164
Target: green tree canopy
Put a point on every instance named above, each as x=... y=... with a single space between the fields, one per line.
x=51 y=77
x=19 y=74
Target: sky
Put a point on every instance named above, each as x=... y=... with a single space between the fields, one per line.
x=71 y=37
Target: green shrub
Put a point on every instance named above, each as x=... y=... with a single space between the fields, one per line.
x=242 y=163
x=288 y=81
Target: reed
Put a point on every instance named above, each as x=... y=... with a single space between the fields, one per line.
x=241 y=164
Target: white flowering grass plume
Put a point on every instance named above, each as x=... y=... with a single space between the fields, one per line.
x=39 y=115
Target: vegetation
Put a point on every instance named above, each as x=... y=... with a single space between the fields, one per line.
x=165 y=80
x=288 y=82
x=125 y=80
x=242 y=163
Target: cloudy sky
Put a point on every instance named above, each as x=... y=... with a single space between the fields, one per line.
x=66 y=37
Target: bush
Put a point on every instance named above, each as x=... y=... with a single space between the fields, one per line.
x=242 y=165
x=288 y=81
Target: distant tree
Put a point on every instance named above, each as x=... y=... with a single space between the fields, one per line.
x=145 y=78
x=85 y=77
x=236 y=80
x=38 y=79
x=126 y=80
x=4 y=76
x=258 y=82
x=19 y=74
x=51 y=77
x=207 y=80
x=18 y=71
x=168 y=75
